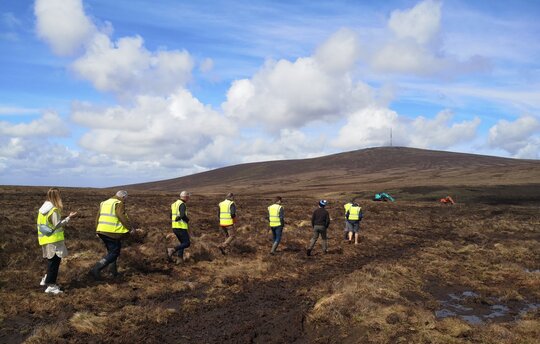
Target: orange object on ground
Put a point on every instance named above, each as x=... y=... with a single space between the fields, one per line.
x=447 y=200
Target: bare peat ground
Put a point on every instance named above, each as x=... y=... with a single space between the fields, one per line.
x=423 y=273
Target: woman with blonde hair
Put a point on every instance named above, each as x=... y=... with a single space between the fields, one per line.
x=51 y=237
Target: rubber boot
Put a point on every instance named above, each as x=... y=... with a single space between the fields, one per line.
x=180 y=258
x=274 y=248
x=95 y=271
x=113 y=269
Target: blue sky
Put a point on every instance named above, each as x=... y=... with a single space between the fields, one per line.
x=101 y=93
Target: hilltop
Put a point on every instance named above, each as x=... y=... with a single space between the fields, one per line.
x=366 y=169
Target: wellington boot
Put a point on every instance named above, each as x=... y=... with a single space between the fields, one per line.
x=95 y=271
x=113 y=269
x=274 y=248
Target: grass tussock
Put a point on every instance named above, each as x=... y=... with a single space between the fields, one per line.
x=52 y=333
x=90 y=323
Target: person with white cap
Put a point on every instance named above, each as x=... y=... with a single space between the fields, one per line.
x=180 y=220
x=112 y=225
x=227 y=218
x=320 y=220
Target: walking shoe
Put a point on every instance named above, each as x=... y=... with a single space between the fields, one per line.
x=42 y=283
x=170 y=252
x=308 y=252
x=53 y=289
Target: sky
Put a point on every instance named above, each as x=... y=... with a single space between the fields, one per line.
x=100 y=93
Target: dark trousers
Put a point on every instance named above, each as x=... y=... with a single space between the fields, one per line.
x=183 y=237
x=319 y=230
x=53 y=265
x=276 y=233
x=113 y=248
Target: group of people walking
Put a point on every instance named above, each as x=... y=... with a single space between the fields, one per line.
x=113 y=225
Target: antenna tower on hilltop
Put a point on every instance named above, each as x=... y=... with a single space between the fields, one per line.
x=390 y=136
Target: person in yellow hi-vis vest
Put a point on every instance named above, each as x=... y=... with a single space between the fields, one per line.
x=276 y=221
x=112 y=225
x=354 y=216
x=227 y=216
x=50 y=230
x=346 y=206
x=180 y=226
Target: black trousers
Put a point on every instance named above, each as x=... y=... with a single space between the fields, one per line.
x=53 y=265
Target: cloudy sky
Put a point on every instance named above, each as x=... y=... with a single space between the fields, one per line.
x=101 y=93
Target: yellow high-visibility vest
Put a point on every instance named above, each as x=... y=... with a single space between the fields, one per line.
x=58 y=235
x=225 y=218
x=175 y=209
x=347 y=207
x=354 y=213
x=273 y=215
x=108 y=221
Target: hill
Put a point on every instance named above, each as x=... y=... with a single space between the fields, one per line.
x=367 y=169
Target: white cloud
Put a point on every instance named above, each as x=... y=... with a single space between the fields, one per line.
x=421 y=23
x=438 y=132
x=50 y=124
x=206 y=65
x=286 y=94
x=414 y=45
x=63 y=24
x=161 y=129
x=521 y=138
x=16 y=110
x=367 y=127
x=12 y=147
x=124 y=67
x=127 y=67
x=339 y=53
x=372 y=126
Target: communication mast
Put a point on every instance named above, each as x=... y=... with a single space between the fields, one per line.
x=390 y=136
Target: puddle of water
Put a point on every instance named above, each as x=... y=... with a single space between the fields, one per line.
x=465 y=305
x=528 y=307
x=444 y=313
x=472 y=319
x=532 y=271
x=497 y=311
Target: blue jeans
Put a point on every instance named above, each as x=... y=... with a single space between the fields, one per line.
x=276 y=233
x=183 y=237
x=113 y=248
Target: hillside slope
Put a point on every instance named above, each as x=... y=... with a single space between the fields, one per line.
x=367 y=169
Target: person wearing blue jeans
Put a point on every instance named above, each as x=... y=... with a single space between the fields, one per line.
x=183 y=237
x=180 y=221
x=276 y=219
x=113 y=251
x=112 y=226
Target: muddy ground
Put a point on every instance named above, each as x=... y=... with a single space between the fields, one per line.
x=422 y=273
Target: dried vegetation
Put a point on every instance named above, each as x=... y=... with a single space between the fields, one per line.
x=413 y=257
